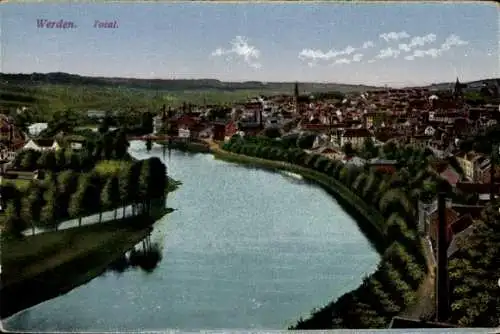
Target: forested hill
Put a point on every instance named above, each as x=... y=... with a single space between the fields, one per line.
x=172 y=84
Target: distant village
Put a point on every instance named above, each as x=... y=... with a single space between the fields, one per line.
x=418 y=116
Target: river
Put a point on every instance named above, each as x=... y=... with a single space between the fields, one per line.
x=244 y=248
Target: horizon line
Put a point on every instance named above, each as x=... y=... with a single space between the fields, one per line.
x=378 y=85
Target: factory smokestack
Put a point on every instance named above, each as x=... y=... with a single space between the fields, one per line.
x=442 y=284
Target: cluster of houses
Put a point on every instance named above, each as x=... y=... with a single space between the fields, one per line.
x=416 y=116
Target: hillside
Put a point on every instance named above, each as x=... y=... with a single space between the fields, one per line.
x=471 y=85
x=37 y=79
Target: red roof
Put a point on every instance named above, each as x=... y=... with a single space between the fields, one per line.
x=451 y=176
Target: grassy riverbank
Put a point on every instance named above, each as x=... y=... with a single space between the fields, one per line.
x=46 y=265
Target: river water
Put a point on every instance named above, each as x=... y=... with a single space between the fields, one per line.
x=245 y=248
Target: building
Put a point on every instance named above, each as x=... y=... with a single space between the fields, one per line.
x=41 y=145
x=36 y=128
x=355 y=136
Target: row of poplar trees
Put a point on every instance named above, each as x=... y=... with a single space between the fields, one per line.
x=73 y=195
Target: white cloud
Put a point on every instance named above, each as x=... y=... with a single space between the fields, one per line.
x=417 y=41
x=314 y=55
x=394 y=36
x=342 y=61
x=404 y=47
x=388 y=53
x=368 y=44
x=422 y=40
x=240 y=48
x=357 y=57
x=450 y=41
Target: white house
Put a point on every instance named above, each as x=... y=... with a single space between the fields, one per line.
x=184 y=133
x=36 y=128
x=34 y=146
x=429 y=131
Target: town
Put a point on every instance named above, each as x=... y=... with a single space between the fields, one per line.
x=369 y=130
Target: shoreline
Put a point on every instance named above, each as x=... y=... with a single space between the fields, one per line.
x=56 y=278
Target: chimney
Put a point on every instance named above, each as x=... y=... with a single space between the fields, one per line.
x=442 y=284
x=492 y=171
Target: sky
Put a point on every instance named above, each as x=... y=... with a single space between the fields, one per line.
x=357 y=43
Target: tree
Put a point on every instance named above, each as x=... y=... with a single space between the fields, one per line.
x=49 y=213
x=149 y=144
x=108 y=146
x=31 y=209
x=110 y=194
x=29 y=160
x=47 y=160
x=147 y=122
x=121 y=144
x=14 y=225
x=369 y=149
x=105 y=124
x=146 y=185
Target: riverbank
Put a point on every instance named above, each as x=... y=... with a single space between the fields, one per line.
x=43 y=271
x=370 y=222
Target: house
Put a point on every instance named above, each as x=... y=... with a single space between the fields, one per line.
x=41 y=145
x=230 y=130
x=465 y=159
x=184 y=133
x=482 y=168
x=355 y=136
x=157 y=124
x=36 y=128
x=429 y=131
x=331 y=153
x=482 y=190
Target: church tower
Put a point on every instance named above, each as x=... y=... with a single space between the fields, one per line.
x=457 y=91
x=296 y=97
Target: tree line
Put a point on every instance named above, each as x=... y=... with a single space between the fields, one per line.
x=108 y=146
x=71 y=194
x=392 y=287
x=474 y=274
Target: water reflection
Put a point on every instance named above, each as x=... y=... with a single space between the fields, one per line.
x=68 y=276
x=146 y=256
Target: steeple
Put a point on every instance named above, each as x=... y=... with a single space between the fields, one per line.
x=457 y=91
x=296 y=97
